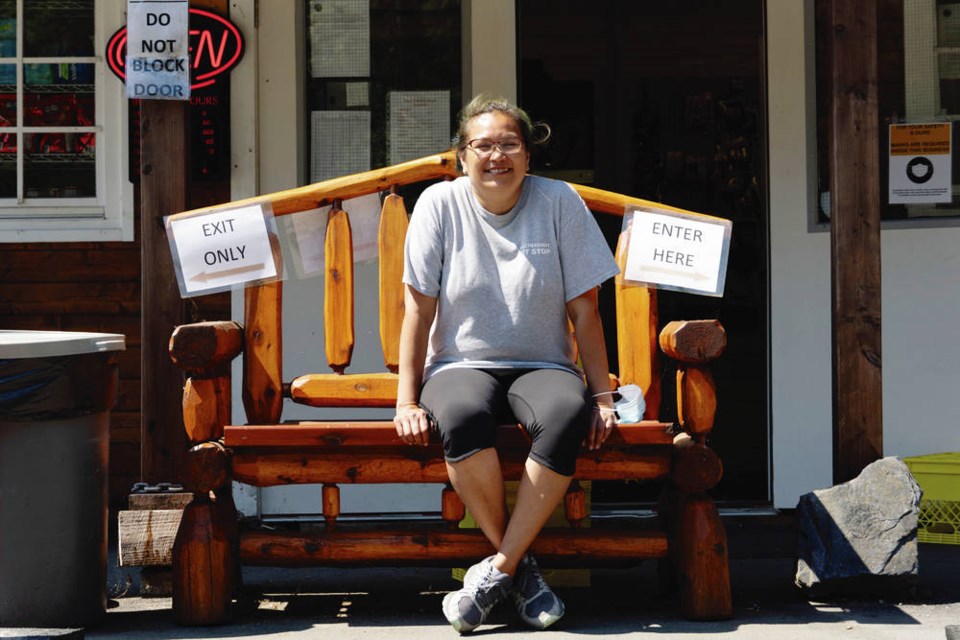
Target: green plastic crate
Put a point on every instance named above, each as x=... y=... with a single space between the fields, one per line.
x=938 y=475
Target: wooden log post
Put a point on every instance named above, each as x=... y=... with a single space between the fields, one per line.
x=694 y=343
x=390 y=238
x=338 y=290
x=331 y=505
x=698 y=564
x=575 y=504
x=203 y=346
x=855 y=244
x=208 y=468
x=263 y=362
x=204 y=565
x=452 y=508
x=702 y=562
x=206 y=551
x=204 y=350
x=637 y=341
x=163 y=191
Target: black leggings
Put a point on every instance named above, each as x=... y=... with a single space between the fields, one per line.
x=553 y=405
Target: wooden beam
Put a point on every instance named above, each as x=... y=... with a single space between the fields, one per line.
x=373 y=465
x=855 y=237
x=297 y=436
x=163 y=189
x=555 y=547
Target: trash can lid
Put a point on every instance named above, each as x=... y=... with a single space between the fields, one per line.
x=40 y=344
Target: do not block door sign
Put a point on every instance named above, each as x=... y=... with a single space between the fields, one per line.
x=218 y=250
x=158 y=62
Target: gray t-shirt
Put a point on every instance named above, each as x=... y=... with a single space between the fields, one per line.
x=502 y=281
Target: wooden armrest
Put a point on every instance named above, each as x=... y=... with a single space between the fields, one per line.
x=205 y=345
x=693 y=341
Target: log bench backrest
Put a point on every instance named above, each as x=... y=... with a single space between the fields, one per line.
x=263 y=386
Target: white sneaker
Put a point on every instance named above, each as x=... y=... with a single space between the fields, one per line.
x=536 y=603
x=484 y=586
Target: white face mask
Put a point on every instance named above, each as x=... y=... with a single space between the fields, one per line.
x=631 y=405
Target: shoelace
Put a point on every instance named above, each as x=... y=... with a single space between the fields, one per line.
x=532 y=582
x=485 y=594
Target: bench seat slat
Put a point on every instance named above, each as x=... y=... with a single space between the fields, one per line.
x=553 y=547
x=383 y=433
x=272 y=466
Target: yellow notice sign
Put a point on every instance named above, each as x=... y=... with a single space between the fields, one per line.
x=920 y=163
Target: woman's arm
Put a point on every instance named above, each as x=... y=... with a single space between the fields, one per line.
x=588 y=328
x=413 y=425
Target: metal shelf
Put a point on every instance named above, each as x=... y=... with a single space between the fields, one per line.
x=49 y=159
x=49 y=88
x=58 y=158
x=57 y=88
x=62 y=5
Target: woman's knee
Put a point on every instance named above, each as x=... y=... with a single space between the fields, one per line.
x=465 y=427
x=559 y=431
x=567 y=412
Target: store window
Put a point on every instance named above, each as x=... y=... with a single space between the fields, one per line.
x=60 y=177
x=383 y=82
x=918 y=85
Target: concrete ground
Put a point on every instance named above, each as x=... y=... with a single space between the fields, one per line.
x=371 y=604
x=375 y=604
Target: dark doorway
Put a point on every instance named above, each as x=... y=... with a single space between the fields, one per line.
x=664 y=101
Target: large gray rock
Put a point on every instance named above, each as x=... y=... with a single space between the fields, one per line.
x=861 y=529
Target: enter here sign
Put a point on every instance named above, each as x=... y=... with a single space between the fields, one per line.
x=216 y=250
x=677 y=251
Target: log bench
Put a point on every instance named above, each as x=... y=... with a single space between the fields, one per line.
x=210 y=547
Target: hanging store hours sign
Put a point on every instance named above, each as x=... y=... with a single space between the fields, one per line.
x=158 y=56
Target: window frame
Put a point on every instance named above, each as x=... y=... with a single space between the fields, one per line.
x=110 y=215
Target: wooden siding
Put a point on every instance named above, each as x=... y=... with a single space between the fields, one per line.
x=95 y=286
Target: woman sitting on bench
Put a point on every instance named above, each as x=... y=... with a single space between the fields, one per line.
x=496 y=262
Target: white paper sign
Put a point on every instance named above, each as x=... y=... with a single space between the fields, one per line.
x=677 y=251
x=339 y=38
x=418 y=124
x=157 y=66
x=215 y=251
x=308 y=229
x=921 y=159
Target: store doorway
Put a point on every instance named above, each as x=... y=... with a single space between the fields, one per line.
x=664 y=101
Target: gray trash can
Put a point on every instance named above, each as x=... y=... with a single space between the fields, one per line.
x=56 y=392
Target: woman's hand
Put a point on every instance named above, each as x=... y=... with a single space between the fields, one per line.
x=602 y=422
x=413 y=424
x=593 y=356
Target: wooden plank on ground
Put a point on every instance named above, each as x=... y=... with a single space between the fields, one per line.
x=146 y=501
x=146 y=537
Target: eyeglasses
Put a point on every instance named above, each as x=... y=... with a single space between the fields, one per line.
x=484 y=148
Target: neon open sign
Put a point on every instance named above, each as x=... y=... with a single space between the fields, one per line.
x=216 y=46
